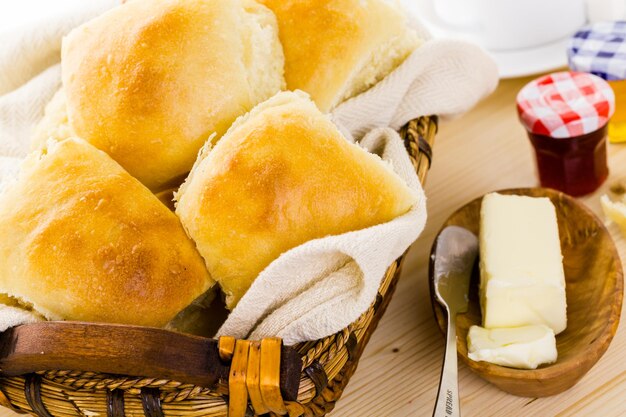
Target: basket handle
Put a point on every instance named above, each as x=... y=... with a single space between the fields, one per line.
x=130 y=350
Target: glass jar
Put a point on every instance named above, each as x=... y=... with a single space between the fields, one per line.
x=600 y=49
x=566 y=116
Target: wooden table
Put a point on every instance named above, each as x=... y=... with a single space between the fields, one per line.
x=482 y=151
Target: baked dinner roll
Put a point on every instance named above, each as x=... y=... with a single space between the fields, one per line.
x=336 y=49
x=280 y=176
x=83 y=240
x=149 y=81
x=54 y=124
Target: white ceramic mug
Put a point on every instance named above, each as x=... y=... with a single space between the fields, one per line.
x=511 y=24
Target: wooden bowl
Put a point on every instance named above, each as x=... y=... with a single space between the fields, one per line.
x=594 y=288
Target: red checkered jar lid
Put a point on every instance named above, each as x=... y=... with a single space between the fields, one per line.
x=565 y=104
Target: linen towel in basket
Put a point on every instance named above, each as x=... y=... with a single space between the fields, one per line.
x=322 y=286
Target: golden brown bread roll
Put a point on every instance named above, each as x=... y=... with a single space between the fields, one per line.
x=336 y=49
x=83 y=240
x=149 y=81
x=280 y=176
x=54 y=124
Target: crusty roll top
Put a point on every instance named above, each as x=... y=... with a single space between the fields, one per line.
x=83 y=240
x=148 y=82
x=336 y=49
x=282 y=175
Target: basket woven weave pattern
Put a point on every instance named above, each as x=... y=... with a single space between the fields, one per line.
x=327 y=364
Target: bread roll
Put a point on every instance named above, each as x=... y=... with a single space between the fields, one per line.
x=54 y=124
x=83 y=240
x=149 y=81
x=336 y=49
x=281 y=175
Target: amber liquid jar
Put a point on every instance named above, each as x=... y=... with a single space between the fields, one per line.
x=576 y=165
x=617 y=125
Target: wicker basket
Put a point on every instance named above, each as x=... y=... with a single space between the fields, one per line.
x=241 y=378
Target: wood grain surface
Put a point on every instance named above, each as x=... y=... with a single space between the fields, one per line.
x=484 y=150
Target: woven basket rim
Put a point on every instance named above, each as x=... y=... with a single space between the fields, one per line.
x=327 y=361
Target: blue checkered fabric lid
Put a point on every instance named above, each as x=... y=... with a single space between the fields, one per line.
x=600 y=49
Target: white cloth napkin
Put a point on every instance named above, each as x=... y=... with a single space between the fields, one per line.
x=15 y=316
x=30 y=73
x=322 y=286
x=443 y=77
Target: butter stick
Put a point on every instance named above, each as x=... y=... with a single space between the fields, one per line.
x=524 y=347
x=522 y=279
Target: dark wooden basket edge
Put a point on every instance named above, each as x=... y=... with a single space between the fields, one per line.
x=419 y=147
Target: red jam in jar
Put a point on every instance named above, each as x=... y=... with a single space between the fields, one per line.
x=566 y=116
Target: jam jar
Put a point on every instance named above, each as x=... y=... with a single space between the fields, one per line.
x=600 y=49
x=566 y=116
